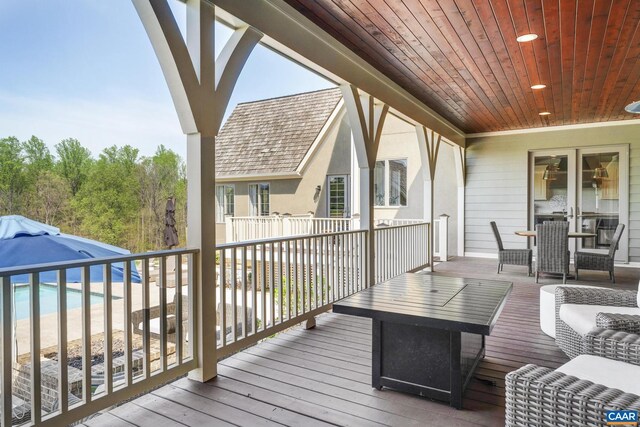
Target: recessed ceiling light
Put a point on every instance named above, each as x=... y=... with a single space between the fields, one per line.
x=540 y=86
x=633 y=108
x=526 y=38
x=544 y=113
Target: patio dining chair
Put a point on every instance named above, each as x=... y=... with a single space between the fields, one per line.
x=600 y=260
x=552 y=254
x=511 y=256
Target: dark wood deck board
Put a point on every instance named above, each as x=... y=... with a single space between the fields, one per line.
x=322 y=376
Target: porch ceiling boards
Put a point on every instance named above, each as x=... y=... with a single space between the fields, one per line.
x=461 y=57
x=322 y=376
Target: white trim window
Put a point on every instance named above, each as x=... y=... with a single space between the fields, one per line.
x=390 y=183
x=225 y=202
x=259 y=199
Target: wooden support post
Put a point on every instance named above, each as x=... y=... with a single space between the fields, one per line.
x=429 y=145
x=367 y=120
x=461 y=171
x=200 y=87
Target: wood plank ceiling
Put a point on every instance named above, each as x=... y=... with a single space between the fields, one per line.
x=461 y=57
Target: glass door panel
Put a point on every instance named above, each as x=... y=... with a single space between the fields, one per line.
x=602 y=197
x=552 y=192
x=592 y=183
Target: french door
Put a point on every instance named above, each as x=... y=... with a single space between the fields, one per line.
x=588 y=187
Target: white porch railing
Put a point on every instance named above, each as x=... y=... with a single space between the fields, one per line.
x=72 y=362
x=268 y=285
x=240 y=229
x=82 y=357
x=399 y=249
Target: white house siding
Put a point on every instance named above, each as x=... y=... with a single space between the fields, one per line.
x=496 y=185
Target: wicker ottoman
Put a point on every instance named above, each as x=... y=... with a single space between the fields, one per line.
x=548 y=307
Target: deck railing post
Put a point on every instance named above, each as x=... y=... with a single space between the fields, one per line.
x=444 y=237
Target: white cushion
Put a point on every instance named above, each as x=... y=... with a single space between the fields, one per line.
x=609 y=373
x=154 y=325
x=582 y=317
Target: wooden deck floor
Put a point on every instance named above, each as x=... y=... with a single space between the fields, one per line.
x=322 y=376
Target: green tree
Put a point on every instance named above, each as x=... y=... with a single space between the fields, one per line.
x=108 y=201
x=159 y=179
x=38 y=158
x=74 y=162
x=12 y=175
x=51 y=198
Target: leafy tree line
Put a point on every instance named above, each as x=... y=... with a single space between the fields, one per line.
x=118 y=198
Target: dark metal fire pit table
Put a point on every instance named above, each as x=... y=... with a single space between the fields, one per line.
x=428 y=331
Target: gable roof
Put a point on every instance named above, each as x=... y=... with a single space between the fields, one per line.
x=272 y=136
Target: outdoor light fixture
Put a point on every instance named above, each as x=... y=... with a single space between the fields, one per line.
x=526 y=38
x=551 y=172
x=633 y=108
x=538 y=86
x=600 y=172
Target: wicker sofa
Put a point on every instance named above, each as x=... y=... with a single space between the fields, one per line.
x=580 y=309
x=580 y=392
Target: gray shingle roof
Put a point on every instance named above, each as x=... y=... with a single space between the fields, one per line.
x=272 y=135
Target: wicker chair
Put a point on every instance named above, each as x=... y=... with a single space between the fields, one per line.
x=511 y=256
x=137 y=320
x=600 y=261
x=553 y=249
x=537 y=396
x=571 y=341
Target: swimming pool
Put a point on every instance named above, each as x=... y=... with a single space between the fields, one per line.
x=48 y=300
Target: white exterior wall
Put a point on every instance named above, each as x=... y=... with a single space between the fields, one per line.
x=399 y=141
x=497 y=177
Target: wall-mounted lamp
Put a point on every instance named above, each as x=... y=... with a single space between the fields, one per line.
x=551 y=172
x=316 y=196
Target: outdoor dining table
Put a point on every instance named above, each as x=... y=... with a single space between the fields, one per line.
x=572 y=234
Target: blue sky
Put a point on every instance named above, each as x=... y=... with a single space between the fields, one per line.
x=86 y=69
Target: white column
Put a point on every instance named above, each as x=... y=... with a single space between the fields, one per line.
x=461 y=166
x=429 y=145
x=366 y=118
x=200 y=88
x=201 y=233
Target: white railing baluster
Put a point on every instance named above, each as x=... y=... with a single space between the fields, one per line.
x=254 y=288
x=243 y=296
x=146 y=333
x=7 y=353
x=263 y=286
x=222 y=308
x=86 y=334
x=108 y=334
x=162 y=290
x=234 y=287
x=288 y=279
x=272 y=282
x=36 y=379
x=281 y=279
x=179 y=309
x=193 y=261
x=128 y=338
x=63 y=368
